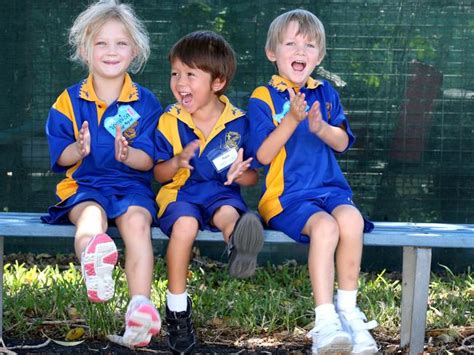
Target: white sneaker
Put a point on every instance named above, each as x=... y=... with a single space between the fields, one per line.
x=142 y=321
x=97 y=263
x=329 y=337
x=355 y=323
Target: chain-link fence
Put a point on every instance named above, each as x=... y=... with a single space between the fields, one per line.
x=404 y=70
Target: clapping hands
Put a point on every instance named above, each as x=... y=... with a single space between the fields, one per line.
x=238 y=167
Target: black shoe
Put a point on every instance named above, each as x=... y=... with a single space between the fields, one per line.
x=181 y=336
x=245 y=243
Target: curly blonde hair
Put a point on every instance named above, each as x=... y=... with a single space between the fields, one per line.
x=90 y=21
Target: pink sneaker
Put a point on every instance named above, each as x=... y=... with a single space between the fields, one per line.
x=142 y=321
x=97 y=263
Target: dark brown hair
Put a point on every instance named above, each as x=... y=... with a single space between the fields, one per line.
x=208 y=51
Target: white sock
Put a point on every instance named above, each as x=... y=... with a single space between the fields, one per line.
x=177 y=303
x=136 y=300
x=346 y=300
x=324 y=310
x=139 y=299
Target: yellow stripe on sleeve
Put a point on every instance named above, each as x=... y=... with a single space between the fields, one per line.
x=270 y=205
x=168 y=126
x=64 y=105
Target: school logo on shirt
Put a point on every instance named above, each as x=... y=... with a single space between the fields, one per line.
x=131 y=132
x=232 y=140
x=328 y=109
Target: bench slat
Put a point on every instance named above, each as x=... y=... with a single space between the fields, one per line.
x=417 y=239
x=428 y=235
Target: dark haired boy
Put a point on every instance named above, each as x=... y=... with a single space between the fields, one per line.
x=201 y=163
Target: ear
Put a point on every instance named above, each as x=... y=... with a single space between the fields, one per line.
x=217 y=84
x=319 y=61
x=83 y=53
x=134 y=52
x=270 y=55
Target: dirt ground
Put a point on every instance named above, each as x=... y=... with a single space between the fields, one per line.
x=109 y=348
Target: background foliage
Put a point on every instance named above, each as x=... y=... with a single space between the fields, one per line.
x=404 y=70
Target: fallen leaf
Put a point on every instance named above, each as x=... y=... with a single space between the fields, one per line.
x=217 y=321
x=73 y=313
x=68 y=343
x=75 y=334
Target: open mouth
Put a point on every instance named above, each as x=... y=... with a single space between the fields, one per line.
x=298 y=65
x=186 y=97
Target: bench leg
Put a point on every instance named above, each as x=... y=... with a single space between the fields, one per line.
x=415 y=283
x=1 y=288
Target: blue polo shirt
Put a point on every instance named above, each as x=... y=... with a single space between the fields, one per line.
x=205 y=183
x=100 y=170
x=306 y=167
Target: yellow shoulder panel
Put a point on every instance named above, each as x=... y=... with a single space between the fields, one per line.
x=263 y=94
x=168 y=126
x=64 y=105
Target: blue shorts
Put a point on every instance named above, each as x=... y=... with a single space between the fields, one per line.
x=114 y=205
x=293 y=218
x=203 y=213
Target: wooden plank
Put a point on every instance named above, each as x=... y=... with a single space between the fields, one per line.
x=434 y=235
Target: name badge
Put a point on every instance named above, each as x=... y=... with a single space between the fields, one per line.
x=286 y=108
x=125 y=117
x=223 y=159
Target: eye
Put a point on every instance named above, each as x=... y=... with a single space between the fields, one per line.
x=290 y=43
x=191 y=74
x=100 y=43
x=310 y=45
x=123 y=43
x=173 y=73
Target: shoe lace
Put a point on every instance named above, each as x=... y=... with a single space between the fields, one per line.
x=229 y=247
x=180 y=327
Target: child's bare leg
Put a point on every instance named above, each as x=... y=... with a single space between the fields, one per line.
x=179 y=253
x=90 y=219
x=95 y=250
x=324 y=237
x=142 y=320
x=328 y=334
x=348 y=259
x=134 y=226
x=224 y=219
x=349 y=250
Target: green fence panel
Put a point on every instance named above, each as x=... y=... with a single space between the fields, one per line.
x=404 y=70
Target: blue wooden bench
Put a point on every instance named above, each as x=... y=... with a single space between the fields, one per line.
x=417 y=240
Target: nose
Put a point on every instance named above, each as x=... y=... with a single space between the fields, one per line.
x=181 y=80
x=112 y=48
x=300 y=49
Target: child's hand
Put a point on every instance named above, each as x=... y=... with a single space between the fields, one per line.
x=187 y=154
x=83 y=142
x=238 y=167
x=315 y=118
x=121 y=145
x=297 y=106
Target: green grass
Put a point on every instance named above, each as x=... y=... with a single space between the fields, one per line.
x=51 y=300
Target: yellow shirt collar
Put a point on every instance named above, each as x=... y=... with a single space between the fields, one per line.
x=129 y=91
x=230 y=113
x=282 y=84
